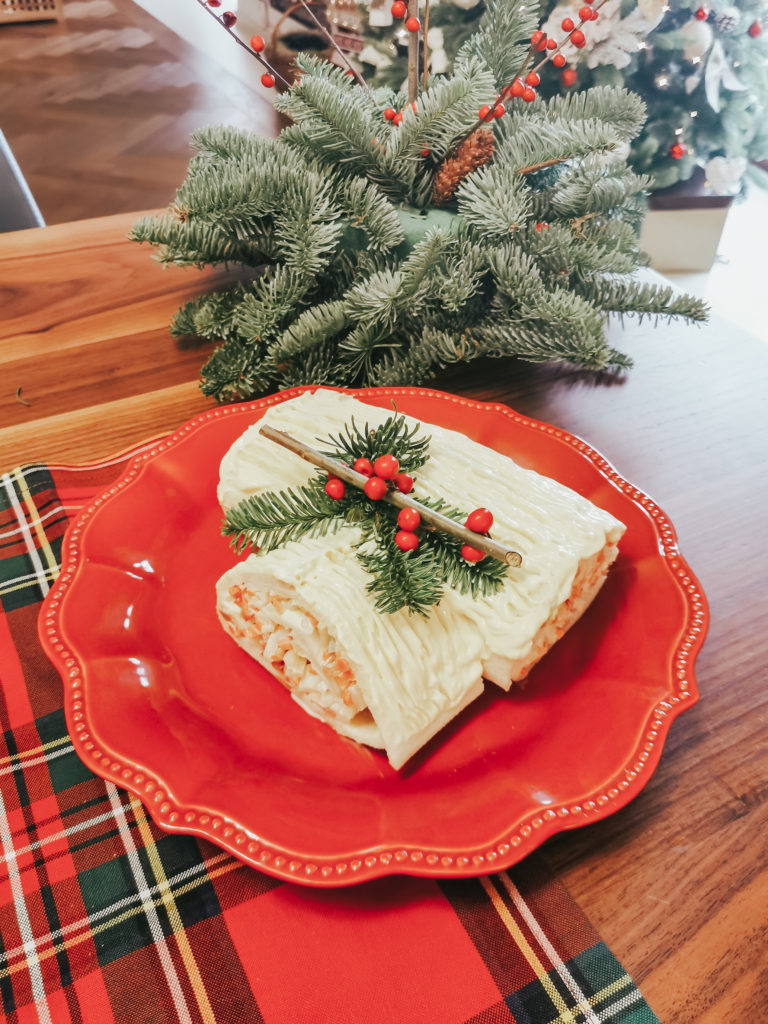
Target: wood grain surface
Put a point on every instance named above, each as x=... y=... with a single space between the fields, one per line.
x=98 y=108
x=677 y=881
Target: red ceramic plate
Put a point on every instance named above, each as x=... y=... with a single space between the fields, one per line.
x=161 y=702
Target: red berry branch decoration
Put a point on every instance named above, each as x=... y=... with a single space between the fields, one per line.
x=228 y=20
x=525 y=87
x=386 y=483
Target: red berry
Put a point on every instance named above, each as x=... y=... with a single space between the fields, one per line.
x=399 y=9
x=543 y=44
x=578 y=38
x=517 y=87
x=389 y=113
x=406 y=540
x=499 y=110
x=479 y=521
x=677 y=152
x=536 y=38
x=532 y=79
x=375 y=488
x=408 y=519
x=484 y=112
x=755 y=29
x=412 y=24
x=397 y=119
x=386 y=466
x=702 y=14
x=471 y=554
x=568 y=77
x=364 y=466
x=558 y=60
x=426 y=152
x=229 y=18
x=257 y=44
x=585 y=13
x=566 y=24
x=551 y=44
x=404 y=483
x=214 y=3
x=529 y=95
x=267 y=80
x=334 y=488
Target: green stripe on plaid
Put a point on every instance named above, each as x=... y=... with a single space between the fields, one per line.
x=606 y=994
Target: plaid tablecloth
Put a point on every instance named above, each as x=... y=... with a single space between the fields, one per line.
x=105 y=918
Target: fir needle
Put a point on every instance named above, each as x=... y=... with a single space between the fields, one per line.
x=428 y=516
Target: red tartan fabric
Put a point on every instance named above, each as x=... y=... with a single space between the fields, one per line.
x=104 y=918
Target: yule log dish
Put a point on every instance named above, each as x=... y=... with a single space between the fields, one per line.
x=378 y=623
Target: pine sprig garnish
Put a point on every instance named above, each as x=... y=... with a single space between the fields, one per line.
x=412 y=576
x=400 y=579
x=393 y=436
x=269 y=521
x=478 y=579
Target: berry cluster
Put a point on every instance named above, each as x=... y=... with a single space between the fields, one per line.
x=399 y=10
x=384 y=474
x=524 y=87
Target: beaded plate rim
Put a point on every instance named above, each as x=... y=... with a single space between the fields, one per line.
x=281 y=862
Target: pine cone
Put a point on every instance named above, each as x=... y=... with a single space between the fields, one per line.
x=470 y=154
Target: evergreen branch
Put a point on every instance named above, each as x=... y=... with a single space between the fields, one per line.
x=622 y=109
x=270 y=520
x=192 y=244
x=237 y=370
x=393 y=437
x=336 y=124
x=319 y=365
x=494 y=200
x=532 y=141
x=400 y=579
x=418 y=361
x=274 y=296
x=210 y=316
x=368 y=210
x=536 y=341
x=643 y=299
x=500 y=40
x=479 y=579
x=223 y=143
x=435 y=121
x=314 y=325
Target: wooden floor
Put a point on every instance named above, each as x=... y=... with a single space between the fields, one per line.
x=98 y=108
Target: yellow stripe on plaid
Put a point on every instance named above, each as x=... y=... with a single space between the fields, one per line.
x=20 y=756
x=193 y=972
x=68 y=943
x=600 y=997
x=20 y=584
x=34 y=519
x=541 y=972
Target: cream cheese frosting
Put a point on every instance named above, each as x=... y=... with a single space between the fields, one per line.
x=410 y=675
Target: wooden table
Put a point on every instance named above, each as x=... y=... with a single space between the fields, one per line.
x=676 y=882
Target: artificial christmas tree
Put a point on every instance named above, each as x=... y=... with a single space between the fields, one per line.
x=391 y=234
